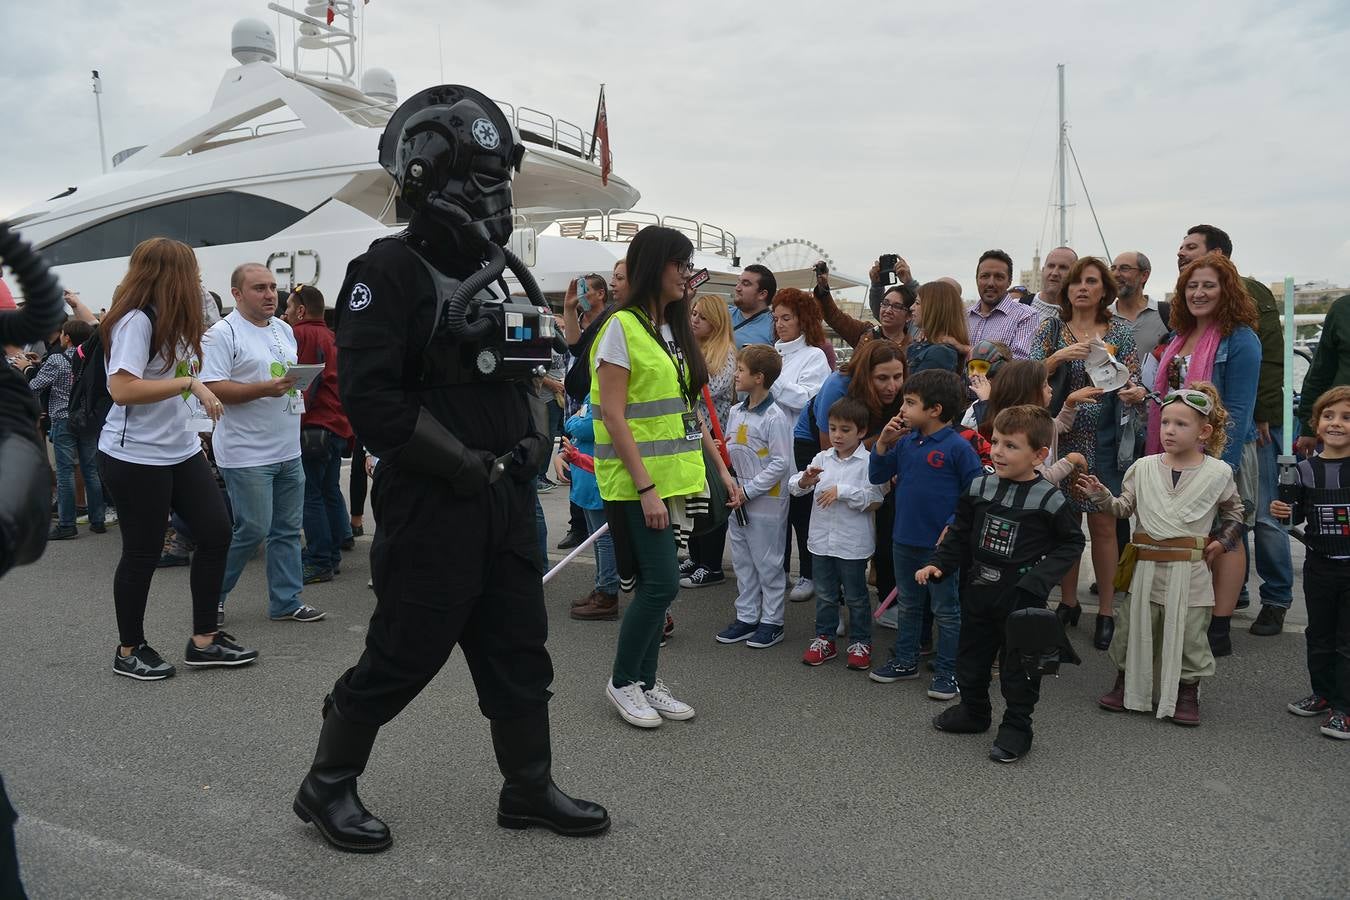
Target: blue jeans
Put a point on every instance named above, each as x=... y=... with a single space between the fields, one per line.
x=325 y=512
x=912 y=598
x=1274 y=563
x=828 y=575
x=606 y=569
x=268 y=502
x=69 y=450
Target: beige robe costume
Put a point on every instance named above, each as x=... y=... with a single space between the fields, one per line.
x=1170 y=602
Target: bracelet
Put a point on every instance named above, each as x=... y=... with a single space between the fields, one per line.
x=650 y=487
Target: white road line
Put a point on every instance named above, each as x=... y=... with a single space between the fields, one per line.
x=203 y=882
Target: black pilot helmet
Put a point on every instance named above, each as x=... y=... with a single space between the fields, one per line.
x=986 y=358
x=453 y=153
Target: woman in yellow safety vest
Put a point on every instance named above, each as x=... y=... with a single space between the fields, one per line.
x=649 y=452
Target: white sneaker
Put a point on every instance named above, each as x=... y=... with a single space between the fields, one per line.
x=666 y=706
x=632 y=705
x=110 y=517
x=803 y=590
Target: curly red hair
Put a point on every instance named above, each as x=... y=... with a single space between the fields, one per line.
x=807 y=311
x=1236 y=308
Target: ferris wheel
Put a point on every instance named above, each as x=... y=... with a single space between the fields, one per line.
x=793 y=253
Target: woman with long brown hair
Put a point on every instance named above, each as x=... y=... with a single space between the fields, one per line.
x=1214 y=320
x=151 y=457
x=1063 y=342
x=942 y=318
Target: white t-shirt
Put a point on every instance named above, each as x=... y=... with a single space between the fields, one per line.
x=612 y=345
x=150 y=434
x=261 y=432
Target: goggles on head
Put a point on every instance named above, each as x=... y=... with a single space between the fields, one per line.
x=1196 y=400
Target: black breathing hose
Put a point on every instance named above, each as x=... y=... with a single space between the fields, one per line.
x=457 y=312
x=44 y=308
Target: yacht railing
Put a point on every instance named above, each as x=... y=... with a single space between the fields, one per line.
x=538 y=127
x=622 y=225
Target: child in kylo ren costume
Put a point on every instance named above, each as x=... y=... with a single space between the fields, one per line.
x=1013 y=538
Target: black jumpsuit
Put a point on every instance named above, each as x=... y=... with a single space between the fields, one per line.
x=1013 y=541
x=450 y=566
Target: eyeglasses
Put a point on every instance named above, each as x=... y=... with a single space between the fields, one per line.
x=1124 y=268
x=1196 y=400
x=686 y=267
x=894 y=307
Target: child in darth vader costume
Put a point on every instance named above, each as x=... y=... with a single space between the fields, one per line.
x=436 y=366
x=1014 y=536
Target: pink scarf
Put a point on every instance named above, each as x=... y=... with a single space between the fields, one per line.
x=1200 y=369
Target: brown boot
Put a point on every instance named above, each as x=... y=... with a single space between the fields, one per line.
x=584 y=601
x=1188 y=705
x=602 y=606
x=1114 y=700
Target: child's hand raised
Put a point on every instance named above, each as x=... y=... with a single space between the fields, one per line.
x=980 y=386
x=827 y=497
x=1087 y=394
x=894 y=430
x=926 y=573
x=810 y=476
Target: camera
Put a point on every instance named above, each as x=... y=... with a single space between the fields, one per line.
x=887 y=265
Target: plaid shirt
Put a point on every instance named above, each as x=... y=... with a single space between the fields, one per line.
x=1010 y=322
x=55 y=373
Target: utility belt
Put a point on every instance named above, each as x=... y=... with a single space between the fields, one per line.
x=1182 y=549
x=985 y=574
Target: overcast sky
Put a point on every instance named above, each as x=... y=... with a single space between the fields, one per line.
x=922 y=128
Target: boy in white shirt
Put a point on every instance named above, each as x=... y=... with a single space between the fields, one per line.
x=842 y=534
x=759 y=440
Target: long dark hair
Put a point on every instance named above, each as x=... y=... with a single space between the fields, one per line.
x=1020 y=382
x=161 y=273
x=867 y=357
x=648 y=253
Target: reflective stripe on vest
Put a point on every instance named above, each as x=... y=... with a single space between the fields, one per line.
x=654 y=411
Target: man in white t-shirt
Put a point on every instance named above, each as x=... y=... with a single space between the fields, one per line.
x=257 y=442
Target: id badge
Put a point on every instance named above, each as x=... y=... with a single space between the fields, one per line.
x=295 y=405
x=693 y=431
x=199 y=424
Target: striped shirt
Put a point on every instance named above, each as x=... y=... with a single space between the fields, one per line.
x=1010 y=323
x=55 y=373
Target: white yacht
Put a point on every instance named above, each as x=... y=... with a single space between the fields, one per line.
x=283 y=169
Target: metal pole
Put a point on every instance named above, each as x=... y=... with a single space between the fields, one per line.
x=98 y=112
x=1063 y=178
x=1288 y=478
x=595 y=536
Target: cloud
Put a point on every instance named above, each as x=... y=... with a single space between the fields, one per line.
x=927 y=129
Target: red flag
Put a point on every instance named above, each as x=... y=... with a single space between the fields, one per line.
x=332 y=11
x=601 y=134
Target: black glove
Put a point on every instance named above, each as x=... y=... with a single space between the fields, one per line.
x=433 y=450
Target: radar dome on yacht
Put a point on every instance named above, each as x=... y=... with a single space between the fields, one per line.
x=252 y=41
x=379 y=84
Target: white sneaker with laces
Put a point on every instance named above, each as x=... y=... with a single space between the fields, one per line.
x=666 y=706
x=110 y=516
x=632 y=705
x=801 y=591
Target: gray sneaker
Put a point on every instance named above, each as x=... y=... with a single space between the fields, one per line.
x=144 y=664
x=302 y=613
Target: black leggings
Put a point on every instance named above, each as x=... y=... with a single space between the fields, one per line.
x=799 y=512
x=145 y=494
x=358 y=480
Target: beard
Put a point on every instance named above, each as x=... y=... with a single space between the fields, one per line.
x=1125 y=292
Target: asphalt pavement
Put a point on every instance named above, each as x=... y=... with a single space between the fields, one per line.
x=791 y=781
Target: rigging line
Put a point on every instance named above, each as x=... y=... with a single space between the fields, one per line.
x=1074 y=157
x=1049 y=201
x=1026 y=146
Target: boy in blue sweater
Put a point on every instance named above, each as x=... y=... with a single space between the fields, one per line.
x=932 y=465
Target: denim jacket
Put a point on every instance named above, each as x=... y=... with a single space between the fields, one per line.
x=1237 y=366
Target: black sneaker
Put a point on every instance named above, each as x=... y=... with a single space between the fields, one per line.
x=1337 y=726
x=222 y=651
x=1311 y=705
x=170 y=560
x=572 y=539
x=316 y=575
x=349 y=543
x=144 y=664
x=1269 y=621
x=301 y=613
x=63 y=533
x=701 y=577
x=98 y=528
x=687 y=567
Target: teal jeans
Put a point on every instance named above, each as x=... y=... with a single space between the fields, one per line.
x=658 y=580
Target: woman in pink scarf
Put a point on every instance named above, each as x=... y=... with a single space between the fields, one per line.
x=1215 y=340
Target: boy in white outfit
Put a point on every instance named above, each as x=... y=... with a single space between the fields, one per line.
x=759 y=440
x=843 y=534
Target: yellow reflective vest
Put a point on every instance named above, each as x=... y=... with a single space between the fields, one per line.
x=654 y=410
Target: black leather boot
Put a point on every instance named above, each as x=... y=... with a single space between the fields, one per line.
x=1105 y=630
x=1069 y=615
x=327 y=797
x=529 y=796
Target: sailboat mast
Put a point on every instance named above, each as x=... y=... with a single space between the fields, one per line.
x=1063 y=166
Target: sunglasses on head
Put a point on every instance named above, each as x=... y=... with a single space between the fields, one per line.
x=1196 y=400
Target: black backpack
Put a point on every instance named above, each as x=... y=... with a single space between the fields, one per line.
x=89 y=397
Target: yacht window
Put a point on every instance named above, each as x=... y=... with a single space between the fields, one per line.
x=230 y=217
